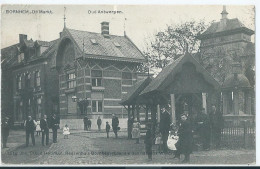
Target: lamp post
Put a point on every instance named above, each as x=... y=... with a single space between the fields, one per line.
x=82 y=103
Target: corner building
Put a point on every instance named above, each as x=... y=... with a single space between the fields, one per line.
x=98 y=67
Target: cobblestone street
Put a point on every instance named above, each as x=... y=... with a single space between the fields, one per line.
x=94 y=148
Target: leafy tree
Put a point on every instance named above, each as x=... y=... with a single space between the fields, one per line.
x=169 y=44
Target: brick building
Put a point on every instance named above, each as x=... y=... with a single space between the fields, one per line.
x=29 y=86
x=97 y=67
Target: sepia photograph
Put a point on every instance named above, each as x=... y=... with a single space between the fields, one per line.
x=128 y=85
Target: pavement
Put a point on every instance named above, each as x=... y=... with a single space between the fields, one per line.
x=92 y=147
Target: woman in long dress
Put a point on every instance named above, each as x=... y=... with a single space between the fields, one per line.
x=136 y=131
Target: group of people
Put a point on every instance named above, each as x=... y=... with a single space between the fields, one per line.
x=206 y=126
x=45 y=124
x=115 y=125
x=87 y=123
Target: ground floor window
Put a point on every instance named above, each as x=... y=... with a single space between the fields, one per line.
x=97 y=106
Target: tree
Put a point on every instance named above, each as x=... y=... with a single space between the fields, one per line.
x=172 y=42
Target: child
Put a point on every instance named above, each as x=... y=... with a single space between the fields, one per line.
x=149 y=142
x=66 y=131
x=38 y=127
x=107 y=129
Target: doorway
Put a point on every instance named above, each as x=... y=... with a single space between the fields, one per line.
x=189 y=103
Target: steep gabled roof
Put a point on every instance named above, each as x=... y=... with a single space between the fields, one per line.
x=175 y=67
x=99 y=47
x=231 y=25
x=133 y=94
x=8 y=55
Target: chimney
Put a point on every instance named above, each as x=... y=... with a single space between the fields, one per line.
x=223 y=20
x=22 y=37
x=224 y=13
x=60 y=34
x=105 y=29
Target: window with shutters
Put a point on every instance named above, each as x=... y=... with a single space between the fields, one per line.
x=37 y=79
x=96 y=77
x=71 y=80
x=39 y=108
x=97 y=106
x=28 y=80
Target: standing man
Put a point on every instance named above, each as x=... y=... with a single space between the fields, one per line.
x=99 y=122
x=217 y=123
x=184 y=144
x=85 y=120
x=115 y=123
x=165 y=127
x=55 y=127
x=30 y=125
x=5 y=131
x=203 y=128
x=89 y=124
x=45 y=129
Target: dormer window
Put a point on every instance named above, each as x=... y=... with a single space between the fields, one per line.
x=117 y=44
x=20 y=57
x=93 y=41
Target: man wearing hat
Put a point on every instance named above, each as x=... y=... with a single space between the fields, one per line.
x=5 y=131
x=164 y=126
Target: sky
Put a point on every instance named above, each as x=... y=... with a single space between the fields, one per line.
x=141 y=23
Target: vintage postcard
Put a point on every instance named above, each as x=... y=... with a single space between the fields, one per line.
x=128 y=84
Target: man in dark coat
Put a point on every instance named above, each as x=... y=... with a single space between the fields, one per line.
x=99 y=122
x=29 y=130
x=5 y=131
x=89 y=124
x=184 y=144
x=164 y=126
x=203 y=128
x=85 y=120
x=55 y=127
x=45 y=129
x=148 y=141
x=115 y=123
x=217 y=122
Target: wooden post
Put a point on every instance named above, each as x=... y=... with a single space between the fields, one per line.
x=138 y=113
x=153 y=114
x=173 y=108
x=158 y=113
x=128 y=126
x=133 y=111
x=146 y=113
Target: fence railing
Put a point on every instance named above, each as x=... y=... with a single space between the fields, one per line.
x=238 y=135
